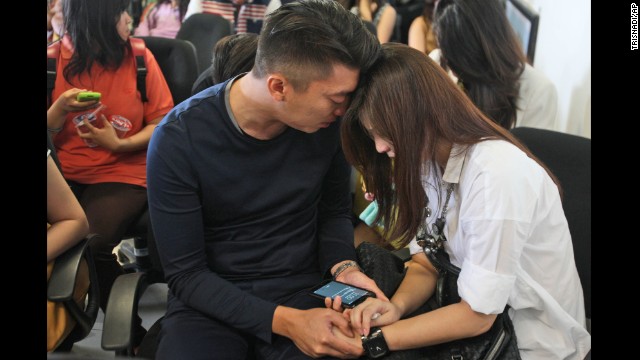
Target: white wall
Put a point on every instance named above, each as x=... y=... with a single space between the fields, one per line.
x=563 y=53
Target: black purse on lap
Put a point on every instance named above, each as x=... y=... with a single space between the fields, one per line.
x=498 y=343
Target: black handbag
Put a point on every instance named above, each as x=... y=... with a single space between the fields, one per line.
x=498 y=343
x=388 y=270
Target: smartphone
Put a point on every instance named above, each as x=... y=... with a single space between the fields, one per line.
x=351 y=295
x=88 y=96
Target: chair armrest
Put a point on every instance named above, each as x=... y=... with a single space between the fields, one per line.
x=63 y=277
x=122 y=307
x=62 y=283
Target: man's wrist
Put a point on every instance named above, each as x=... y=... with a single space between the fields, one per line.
x=345 y=267
x=283 y=318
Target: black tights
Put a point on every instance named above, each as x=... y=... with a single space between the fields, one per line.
x=111 y=208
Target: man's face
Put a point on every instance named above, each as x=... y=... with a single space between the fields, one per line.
x=322 y=102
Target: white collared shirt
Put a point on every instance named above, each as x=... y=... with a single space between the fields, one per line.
x=508 y=233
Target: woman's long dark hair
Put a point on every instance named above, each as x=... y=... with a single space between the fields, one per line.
x=91 y=24
x=479 y=45
x=410 y=101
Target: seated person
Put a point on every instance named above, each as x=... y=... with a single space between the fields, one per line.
x=421 y=35
x=54 y=20
x=379 y=12
x=106 y=172
x=249 y=195
x=244 y=16
x=66 y=225
x=232 y=55
x=479 y=47
x=444 y=169
x=163 y=19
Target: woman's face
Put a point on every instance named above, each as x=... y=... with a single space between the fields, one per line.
x=383 y=146
x=123 y=25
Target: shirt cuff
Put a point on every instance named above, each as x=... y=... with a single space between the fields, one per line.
x=485 y=291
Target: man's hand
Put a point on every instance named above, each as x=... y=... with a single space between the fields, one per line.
x=314 y=332
x=357 y=278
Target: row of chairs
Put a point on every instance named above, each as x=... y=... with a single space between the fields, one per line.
x=182 y=59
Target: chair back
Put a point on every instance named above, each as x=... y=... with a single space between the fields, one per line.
x=204 y=30
x=177 y=60
x=569 y=158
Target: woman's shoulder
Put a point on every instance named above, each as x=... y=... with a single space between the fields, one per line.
x=532 y=77
x=490 y=149
x=419 y=23
x=501 y=165
x=498 y=156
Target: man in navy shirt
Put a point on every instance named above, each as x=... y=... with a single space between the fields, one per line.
x=249 y=196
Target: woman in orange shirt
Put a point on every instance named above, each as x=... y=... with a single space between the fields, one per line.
x=108 y=179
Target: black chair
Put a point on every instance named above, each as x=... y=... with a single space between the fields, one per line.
x=178 y=62
x=61 y=286
x=203 y=31
x=569 y=158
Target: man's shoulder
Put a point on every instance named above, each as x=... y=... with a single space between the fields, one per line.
x=204 y=105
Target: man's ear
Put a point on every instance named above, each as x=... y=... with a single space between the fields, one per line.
x=277 y=85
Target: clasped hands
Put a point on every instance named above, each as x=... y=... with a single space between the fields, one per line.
x=377 y=311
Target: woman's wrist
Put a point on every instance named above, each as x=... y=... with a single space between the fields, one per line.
x=56 y=117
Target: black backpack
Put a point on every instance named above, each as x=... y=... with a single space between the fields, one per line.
x=137 y=45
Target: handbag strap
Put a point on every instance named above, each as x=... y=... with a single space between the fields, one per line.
x=441 y=262
x=432 y=241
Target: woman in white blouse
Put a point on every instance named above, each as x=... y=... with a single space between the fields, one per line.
x=414 y=134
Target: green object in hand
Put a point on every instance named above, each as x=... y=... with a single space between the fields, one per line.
x=88 y=96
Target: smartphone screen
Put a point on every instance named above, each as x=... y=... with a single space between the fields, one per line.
x=351 y=295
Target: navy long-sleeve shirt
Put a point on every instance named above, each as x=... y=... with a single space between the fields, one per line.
x=227 y=209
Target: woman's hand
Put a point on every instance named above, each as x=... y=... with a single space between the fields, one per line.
x=68 y=102
x=105 y=137
x=372 y=312
x=65 y=104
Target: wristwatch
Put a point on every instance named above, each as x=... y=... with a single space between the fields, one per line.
x=375 y=346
